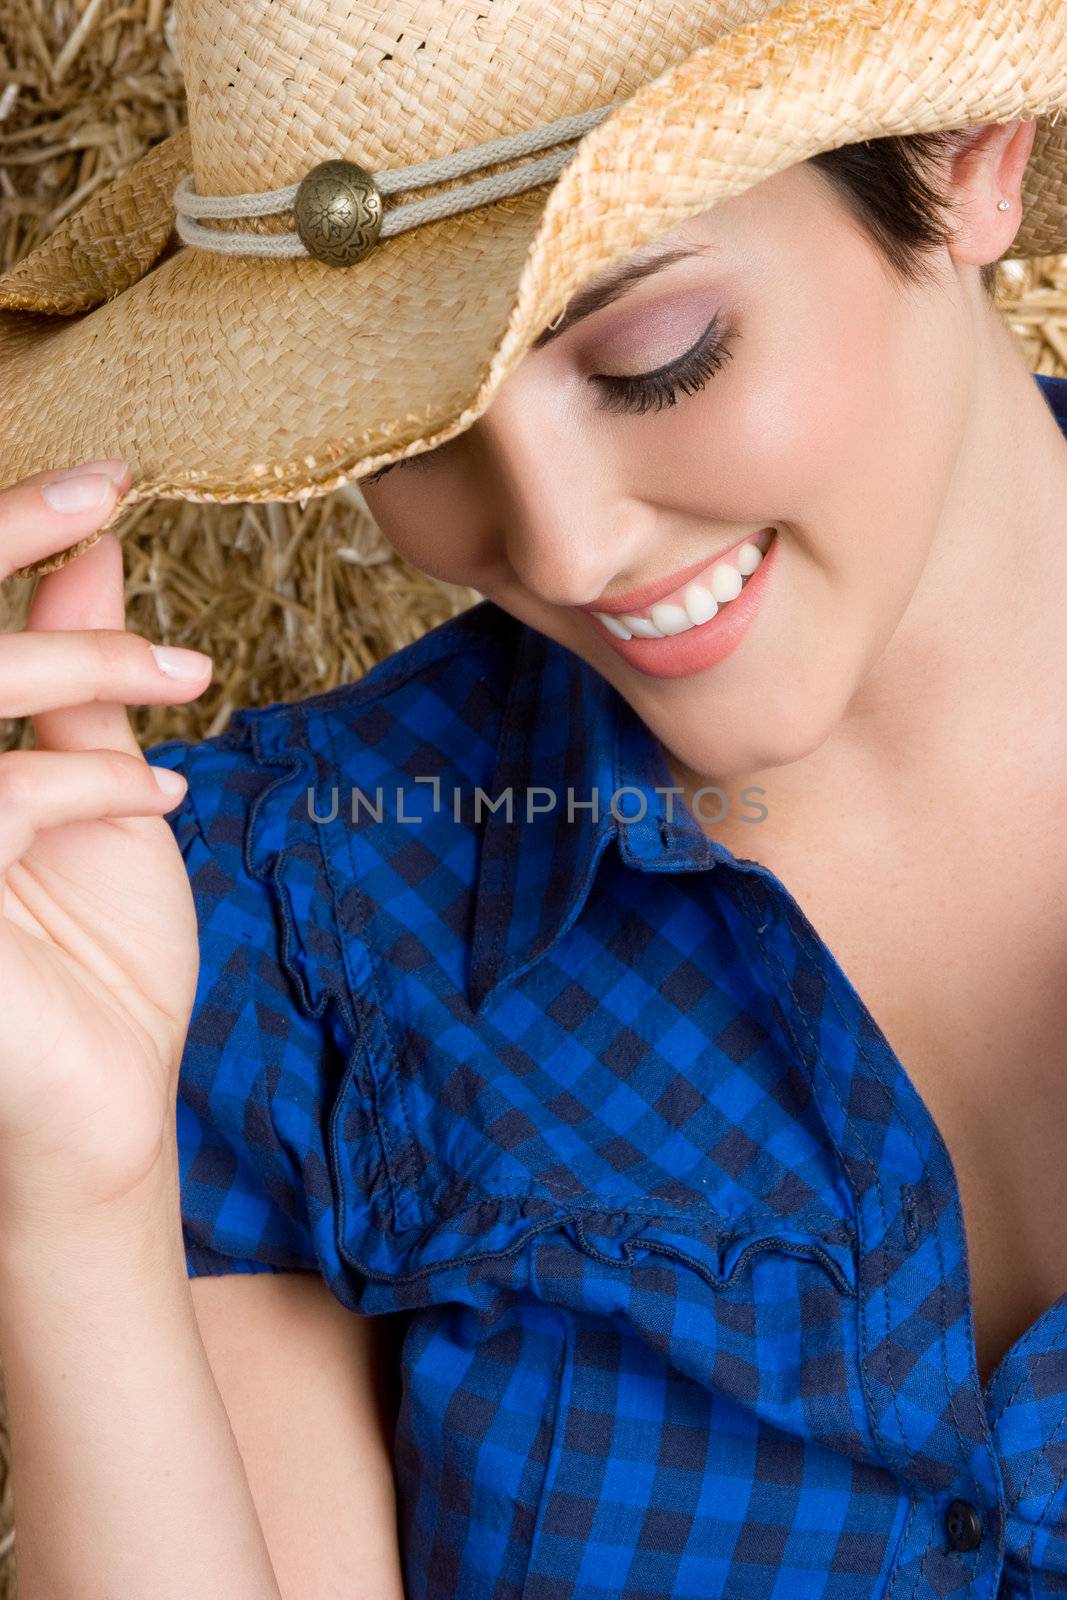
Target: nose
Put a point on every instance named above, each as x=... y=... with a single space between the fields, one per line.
x=569 y=522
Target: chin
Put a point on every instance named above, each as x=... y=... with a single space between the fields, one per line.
x=766 y=732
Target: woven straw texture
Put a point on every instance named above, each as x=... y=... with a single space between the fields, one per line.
x=234 y=379
x=290 y=599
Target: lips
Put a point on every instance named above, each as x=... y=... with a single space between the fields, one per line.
x=698 y=593
x=697 y=646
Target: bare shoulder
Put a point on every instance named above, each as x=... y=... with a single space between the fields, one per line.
x=311 y=1391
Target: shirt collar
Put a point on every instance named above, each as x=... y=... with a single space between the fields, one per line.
x=566 y=736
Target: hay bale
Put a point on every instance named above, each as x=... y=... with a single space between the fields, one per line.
x=87 y=86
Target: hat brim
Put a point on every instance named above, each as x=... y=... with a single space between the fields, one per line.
x=232 y=378
x=216 y=387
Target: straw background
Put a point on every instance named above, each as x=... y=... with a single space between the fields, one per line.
x=289 y=601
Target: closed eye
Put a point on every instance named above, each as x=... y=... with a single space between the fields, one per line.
x=689 y=372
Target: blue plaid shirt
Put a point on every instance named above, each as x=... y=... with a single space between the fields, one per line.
x=678 y=1246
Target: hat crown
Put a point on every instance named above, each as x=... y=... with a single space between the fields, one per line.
x=274 y=88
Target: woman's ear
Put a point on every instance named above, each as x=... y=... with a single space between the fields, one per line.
x=987 y=169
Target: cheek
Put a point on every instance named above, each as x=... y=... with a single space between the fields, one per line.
x=429 y=528
x=785 y=421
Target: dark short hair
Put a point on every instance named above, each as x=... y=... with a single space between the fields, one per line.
x=894 y=187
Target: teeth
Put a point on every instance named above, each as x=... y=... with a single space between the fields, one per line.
x=642 y=627
x=700 y=601
x=670 y=618
x=726 y=582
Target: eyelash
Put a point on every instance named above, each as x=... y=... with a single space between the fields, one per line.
x=649 y=391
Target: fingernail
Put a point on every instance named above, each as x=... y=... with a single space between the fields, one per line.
x=170 y=782
x=80 y=493
x=178 y=663
x=115 y=469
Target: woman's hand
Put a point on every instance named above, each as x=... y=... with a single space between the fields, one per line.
x=98 y=934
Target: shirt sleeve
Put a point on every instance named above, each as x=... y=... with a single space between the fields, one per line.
x=260 y=1053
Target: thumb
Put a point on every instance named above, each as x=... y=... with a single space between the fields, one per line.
x=87 y=592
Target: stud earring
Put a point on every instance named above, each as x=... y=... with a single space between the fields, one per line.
x=1003 y=205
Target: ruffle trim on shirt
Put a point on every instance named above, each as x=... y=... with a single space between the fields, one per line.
x=280 y=848
x=490 y=1235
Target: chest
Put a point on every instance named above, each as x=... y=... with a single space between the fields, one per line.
x=965 y=971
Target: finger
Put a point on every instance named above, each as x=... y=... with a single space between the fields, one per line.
x=42 y=789
x=32 y=530
x=86 y=594
x=40 y=672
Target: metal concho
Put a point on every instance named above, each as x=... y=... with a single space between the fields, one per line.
x=338 y=212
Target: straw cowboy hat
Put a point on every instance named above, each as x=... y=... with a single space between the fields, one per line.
x=377 y=206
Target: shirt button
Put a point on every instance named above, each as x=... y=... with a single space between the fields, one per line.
x=963 y=1526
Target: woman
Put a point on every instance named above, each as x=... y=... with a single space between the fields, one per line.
x=772 y=538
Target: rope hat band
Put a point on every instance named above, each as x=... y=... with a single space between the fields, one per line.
x=338 y=204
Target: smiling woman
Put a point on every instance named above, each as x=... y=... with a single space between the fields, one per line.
x=820 y=424
x=704 y=1174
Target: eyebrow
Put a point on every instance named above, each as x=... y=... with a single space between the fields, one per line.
x=608 y=289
